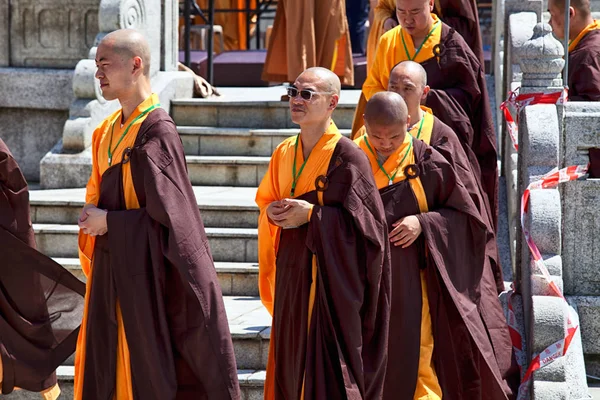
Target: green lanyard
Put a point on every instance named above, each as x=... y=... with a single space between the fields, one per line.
x=391 y=178
x=110 y=152
x=294 y=176
x=422 y=44
x=420 y=127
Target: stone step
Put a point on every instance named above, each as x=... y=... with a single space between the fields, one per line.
x=251 y=385
x=215 y=141
x=236 y=279
x=227 y=170
x=251 y=114
x=220 y=206
x=226 y=244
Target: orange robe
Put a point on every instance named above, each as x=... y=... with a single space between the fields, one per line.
x=428 y=387
x=309 y=33
x=277 y=185
x=101 y=141
x=385 y=9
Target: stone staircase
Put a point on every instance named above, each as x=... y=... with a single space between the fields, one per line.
x=228 y=143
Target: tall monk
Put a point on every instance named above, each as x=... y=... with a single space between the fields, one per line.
x=584 y=47
x=462 y=15
x=444 y=305
x=458 y=94
x=40 y=302
x=154 y=325
x=309 y=33
x=324 y=271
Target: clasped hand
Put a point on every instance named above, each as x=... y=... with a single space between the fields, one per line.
x=289 y=213
x=406 y=231
x=92 y=220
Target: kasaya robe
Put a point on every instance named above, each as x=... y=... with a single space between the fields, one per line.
x=584 y=64
x=443 y=270
x=155 y=325
x=326 y=283
x=458 y=95
x=309 y=33
x=41 y=303
x=462 y=15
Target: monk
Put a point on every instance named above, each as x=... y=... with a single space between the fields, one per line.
x=584 y=47
x=309 y=33
x=462 y=15
x=444 y=304
x=154 y=325
x=41 y=303
x=458 y=94
x=324 y=270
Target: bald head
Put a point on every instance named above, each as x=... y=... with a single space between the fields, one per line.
x=413 y=70
x=129 y=43
x=582 y=7
x=324 y=79
x=386 y=109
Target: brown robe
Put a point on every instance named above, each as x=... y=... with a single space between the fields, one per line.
x=445 y=141
x=41 y=303
x=469 y=328
x=462 y=15
x=345 y=353
x=584 y=69
x=156 y=262
x=459 y=98
x=309 y=33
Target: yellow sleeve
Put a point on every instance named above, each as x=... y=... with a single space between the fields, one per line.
x=385 y=9
x=377 y=79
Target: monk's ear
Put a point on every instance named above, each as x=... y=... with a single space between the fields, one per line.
x=431 y=4
x=138 y=65
x=333 y=102
x=426 y=90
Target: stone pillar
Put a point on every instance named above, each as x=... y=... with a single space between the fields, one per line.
x=540 y=130
x=4 y=33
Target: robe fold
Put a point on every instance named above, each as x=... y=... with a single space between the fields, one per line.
x=41 y=303
x=155 y=269
x=468 y=325
x=329 y=285
x=309 y=33
x=458 y=96
x=584 y=65
x=462 y=15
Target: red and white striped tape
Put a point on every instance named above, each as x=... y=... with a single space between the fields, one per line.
x=517 y=101
x=559 y=348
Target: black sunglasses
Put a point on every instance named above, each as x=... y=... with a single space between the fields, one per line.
x=304 y=93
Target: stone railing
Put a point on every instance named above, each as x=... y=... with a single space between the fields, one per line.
x=69 y=163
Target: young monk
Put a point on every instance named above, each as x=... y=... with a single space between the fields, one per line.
x=33 y=340
x=441 y=347
x=458 y=94
x=154 y=324
x=309 y=33
x=461 y=15
x=323 y=257
x=584 y=47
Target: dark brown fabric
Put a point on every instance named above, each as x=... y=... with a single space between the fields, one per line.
x=459 y=98
x=445 y=141
x=41 y=303
x=156 y=261
x=462 y=15
x=461 y=290
x=584 y=69
x=594 y=169
x=344 y=355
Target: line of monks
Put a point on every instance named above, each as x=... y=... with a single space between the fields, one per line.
x=377 y=257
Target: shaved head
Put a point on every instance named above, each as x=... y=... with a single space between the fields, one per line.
x=386 y=109
x=411 y=69
x=129 y=43
x=324 y=79
x=583 y=7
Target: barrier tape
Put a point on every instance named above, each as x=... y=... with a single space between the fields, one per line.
x=517 y=101
x=559 y=348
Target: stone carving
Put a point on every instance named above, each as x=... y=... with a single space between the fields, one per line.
x=51 y=33
x=541 y=59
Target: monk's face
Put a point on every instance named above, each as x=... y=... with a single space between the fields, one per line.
x=408 y=85
x=557 y=19
x=117 y=73
x=415 y=16
x=318 y=107
x=385 y=138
